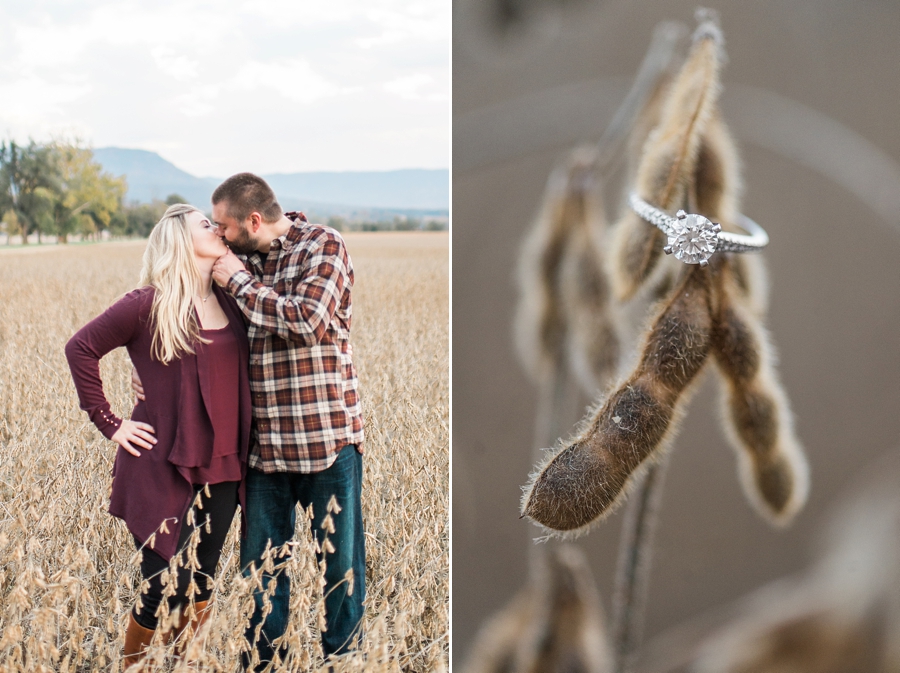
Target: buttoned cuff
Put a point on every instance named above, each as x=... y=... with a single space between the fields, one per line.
x=106 y=421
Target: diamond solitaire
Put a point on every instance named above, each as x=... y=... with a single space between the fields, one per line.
x=693 y=238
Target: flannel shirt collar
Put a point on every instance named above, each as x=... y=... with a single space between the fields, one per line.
x=290 y=238
x=285 y=242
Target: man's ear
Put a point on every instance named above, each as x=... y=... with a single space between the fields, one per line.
x=255 y=222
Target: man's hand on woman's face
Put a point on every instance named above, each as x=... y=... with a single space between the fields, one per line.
x=225 y=267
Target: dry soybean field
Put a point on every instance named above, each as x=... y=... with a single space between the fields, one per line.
x=68 y=570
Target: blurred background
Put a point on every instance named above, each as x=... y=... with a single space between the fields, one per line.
x=811 y=92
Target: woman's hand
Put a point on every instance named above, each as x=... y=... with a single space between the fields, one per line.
x=134 y=432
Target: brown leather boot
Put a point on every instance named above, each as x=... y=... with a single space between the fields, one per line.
x=137 y=638
x=202 y=610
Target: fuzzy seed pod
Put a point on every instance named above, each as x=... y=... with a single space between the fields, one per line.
x=568 y=205
x=587 y=478
x=669 y=159
x=498 y=638
x=688 y=161
x=592 y=342
x=717 y=181
x=773 y=470
x=772 y=467
x=554 y=625
x=840 y=616
x=716 y=192
x=646 y=121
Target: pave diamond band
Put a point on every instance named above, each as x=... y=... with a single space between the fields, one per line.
x=693 y=238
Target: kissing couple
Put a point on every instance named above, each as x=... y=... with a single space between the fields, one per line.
x=239 y=333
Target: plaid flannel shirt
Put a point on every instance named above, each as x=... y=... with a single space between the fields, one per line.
x=304 y=387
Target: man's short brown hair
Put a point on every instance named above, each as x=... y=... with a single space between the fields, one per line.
x=246 y=193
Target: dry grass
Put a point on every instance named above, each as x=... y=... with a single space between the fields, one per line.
x=68 y=572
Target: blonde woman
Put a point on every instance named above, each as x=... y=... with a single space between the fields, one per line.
x=190 y=437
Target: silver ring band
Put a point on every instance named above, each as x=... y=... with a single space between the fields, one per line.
x=693 y=238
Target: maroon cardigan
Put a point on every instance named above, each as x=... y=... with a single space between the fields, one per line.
x=150 y=489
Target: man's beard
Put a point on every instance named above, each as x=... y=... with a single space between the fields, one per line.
x=244 y=245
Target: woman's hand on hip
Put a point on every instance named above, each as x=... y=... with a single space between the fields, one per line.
x=134 y=433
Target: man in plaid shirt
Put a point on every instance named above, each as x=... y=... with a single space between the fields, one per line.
x=292 y=281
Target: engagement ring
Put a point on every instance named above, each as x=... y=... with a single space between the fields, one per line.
x=693 y=238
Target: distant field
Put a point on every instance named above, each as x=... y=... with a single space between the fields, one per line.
x=68 y=575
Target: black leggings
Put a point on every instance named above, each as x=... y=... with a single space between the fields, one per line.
x=220 y=507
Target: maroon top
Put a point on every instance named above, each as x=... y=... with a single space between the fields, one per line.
x=150 y=489
x=219 y=364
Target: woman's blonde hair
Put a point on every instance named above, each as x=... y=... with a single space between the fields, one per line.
x=169 y=266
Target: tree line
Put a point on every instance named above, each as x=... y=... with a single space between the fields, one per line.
x=57 y=189
x=398 y=223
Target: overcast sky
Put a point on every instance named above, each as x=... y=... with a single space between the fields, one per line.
x=225 y=86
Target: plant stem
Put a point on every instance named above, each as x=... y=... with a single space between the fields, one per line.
x=633 y=569
x=636 y=538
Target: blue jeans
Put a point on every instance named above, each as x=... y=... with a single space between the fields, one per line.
x=271 y=501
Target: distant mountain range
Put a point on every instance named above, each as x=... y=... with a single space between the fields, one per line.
x=352 y=194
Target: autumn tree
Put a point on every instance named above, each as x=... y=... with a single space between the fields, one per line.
x=9 y=224
x=142 y=217
x=87 y=198
x=29 y=177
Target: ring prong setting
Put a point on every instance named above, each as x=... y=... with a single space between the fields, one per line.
x=704 y=263
x=692 y=239
x=681 y=214
x=668 y=250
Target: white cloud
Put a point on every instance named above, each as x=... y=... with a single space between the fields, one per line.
x=295 y=79
x=415 y=87
x=228 y=85
x=177 y=66
x=199 y=102
x=28 y=101
x=413 y=23
x=309 y=13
